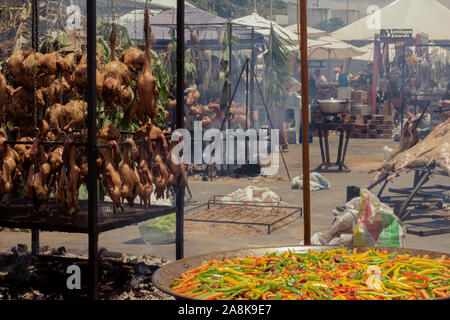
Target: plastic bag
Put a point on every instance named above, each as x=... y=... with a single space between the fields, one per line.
x=317 y=181
x=160 y=230
x=377 y=224
x=252 y=194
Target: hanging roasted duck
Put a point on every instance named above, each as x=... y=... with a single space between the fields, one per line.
x=36 y=185
x=8 y=167
x=128 y=172
x=110 y=157
x=69 y=182
x=144 y=108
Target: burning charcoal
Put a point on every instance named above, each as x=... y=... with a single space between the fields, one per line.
x=22 y=248
x=144 y=270
x=109 y=254
x=61 y=251
x=124 y=296
x=133 y=260
x=134 y=283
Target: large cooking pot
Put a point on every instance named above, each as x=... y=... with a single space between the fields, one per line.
x=164 y=276
x=333 y=106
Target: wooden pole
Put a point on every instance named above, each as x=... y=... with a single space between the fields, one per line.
x=303 y=41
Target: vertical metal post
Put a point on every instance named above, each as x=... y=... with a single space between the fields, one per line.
x=302 y=8
x=35 y=242
x=246 y=94
x=35 y=47
x=230 y=46
x=375 y=70
x=179 y=238
x=252 y=82
x=402 y=112
x=91 y=146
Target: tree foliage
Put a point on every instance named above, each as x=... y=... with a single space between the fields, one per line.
x=277 y=72
x=232 y=9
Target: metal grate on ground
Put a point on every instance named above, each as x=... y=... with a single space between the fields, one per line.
x=244 y=213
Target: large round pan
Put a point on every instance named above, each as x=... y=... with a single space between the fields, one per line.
x=164 y=276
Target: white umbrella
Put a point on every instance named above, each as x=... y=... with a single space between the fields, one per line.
x=263 y=26
x=333 y=49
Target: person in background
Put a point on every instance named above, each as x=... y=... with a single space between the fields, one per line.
x=445 y=101
x=312 y=86
x=337 y=71
x=343 y=79
x=445 y=104
x=319 y=78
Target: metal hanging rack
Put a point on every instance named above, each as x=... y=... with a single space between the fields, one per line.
x=90 y=222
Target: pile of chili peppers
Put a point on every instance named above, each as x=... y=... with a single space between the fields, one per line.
x=338 y=274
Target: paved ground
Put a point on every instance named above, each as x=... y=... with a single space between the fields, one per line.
x=362 y=155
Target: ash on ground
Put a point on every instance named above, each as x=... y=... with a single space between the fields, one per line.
x=44 y=277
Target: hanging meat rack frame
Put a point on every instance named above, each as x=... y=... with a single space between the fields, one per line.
x=405 y=200
x=89 y=220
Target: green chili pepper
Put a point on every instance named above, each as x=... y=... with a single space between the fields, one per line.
x=229 y=289
x=238 y=292
x=205 y=295
x=174 y=284
x=293 y=290
x=430 y=292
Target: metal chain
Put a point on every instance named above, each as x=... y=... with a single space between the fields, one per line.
x=35 y=44
x=118 y=9
x=135 y=26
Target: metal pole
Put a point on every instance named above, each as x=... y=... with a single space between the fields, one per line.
x=91 y=146
x=179 y=238
x=403 y=90
x=375 y=70
x=231 y=71
x=246 y=95
x=347 y=13
x=302 y=8
x=35 y=47
x=252 y=82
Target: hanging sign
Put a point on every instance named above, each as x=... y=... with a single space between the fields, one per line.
x=396 y=34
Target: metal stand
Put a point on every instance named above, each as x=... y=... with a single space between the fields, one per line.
x=344 y=134
x=88 y=222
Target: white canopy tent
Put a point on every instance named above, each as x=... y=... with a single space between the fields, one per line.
x=312 y=32
x=263 y=26
x=369 y=49
x=425 y=16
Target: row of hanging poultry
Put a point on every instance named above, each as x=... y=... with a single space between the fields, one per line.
x=43 y=104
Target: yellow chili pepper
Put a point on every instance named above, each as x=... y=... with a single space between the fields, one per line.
x=367 y=296
x=399 y=284
x=396 y=265
x=428 y=271
x=339 y=297
x=396 y=272
x=226 y=269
